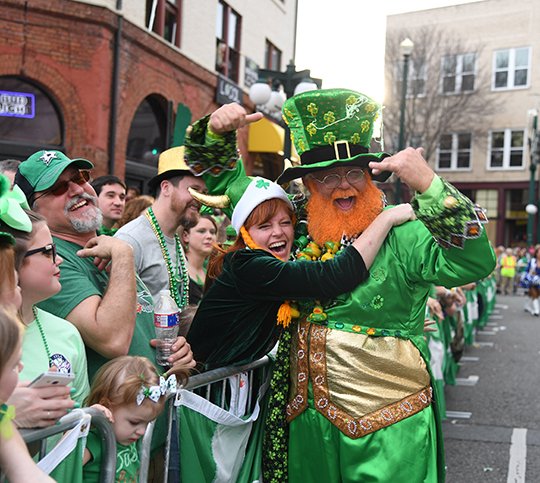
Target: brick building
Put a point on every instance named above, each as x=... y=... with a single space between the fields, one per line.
x=118 y=82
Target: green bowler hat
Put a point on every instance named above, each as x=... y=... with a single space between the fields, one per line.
x=41 y=170
x=331 y=127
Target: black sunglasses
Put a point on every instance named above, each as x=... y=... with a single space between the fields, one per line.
x=80 y=177
x=48 y=250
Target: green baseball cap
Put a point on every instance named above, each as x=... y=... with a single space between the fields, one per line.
x=42 y=169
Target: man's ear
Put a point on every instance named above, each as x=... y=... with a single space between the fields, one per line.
x=308 y=183
x=165 y=187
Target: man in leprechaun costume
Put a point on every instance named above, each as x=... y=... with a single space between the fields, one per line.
x=360 y=399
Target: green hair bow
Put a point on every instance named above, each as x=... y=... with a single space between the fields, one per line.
x=12 y=206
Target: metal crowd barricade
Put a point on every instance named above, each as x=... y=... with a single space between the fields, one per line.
x=208 y=380
x=69 y=421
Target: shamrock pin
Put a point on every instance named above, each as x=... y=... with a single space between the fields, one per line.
x=261 y=183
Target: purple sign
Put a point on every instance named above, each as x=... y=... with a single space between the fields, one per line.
x=17 y=104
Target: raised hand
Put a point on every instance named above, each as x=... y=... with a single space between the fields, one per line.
x=230 y=117
x=410 y=166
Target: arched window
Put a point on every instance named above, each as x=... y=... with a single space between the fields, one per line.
x=146 y=140
x=30 y=119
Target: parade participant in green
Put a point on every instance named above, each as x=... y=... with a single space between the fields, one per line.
x=360 y=398
x=236 y=319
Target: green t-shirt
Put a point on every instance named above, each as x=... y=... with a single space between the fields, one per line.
x=81 y=279
x=66 y=348
x=127 y=461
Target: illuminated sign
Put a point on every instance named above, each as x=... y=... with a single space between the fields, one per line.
x=17 y=104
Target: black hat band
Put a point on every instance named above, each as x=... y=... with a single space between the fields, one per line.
x=337 y=150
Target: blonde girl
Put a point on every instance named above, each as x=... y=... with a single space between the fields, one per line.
x=131 y=393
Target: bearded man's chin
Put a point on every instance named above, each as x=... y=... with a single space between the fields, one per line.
x=328 y=222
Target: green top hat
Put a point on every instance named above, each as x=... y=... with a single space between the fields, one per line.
x=41 y=170
x=331 y=127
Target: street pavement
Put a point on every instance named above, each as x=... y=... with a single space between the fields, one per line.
x=498 y=387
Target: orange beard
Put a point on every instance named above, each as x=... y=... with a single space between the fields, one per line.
x=327 y=222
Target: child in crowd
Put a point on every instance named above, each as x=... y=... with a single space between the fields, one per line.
x=131 y=393
x=15 y=460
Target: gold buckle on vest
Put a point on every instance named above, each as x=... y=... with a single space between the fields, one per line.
x=336 y=149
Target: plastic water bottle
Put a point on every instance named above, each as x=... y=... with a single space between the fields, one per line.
x=166 y=320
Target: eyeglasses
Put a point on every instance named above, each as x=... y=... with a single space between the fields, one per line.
x=80 y=177
x=48 y=250
x=331 y=181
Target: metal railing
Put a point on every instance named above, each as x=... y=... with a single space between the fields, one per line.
x=205 y=379
x=69 y=421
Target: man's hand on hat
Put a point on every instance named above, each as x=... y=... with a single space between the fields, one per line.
x=231 y=117
x=410 y=166
x=104 y=249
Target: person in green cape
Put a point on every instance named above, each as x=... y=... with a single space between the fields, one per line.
x=360 y=398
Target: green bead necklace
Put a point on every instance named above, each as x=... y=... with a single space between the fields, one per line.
x=174 y=278
x=42 y=333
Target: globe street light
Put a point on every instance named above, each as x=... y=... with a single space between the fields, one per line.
x=405 y=48
x=286 y=83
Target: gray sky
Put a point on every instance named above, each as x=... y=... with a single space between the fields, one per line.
x=342 y=41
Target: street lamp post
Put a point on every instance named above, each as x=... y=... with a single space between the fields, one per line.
x=405 y=48
x=292 y=81
x=534 y=146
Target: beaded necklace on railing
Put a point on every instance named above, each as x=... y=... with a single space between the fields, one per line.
x=175 y=277
x=42 y=333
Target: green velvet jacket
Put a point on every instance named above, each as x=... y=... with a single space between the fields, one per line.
x=236 y=320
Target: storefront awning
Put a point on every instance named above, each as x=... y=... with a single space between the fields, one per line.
x=267 y=137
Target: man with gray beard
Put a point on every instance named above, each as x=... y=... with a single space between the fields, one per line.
x=101 y=294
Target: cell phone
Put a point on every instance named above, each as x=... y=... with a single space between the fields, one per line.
x=52 y=379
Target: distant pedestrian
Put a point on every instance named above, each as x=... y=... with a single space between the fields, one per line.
x=508 y=271
x=531 y=281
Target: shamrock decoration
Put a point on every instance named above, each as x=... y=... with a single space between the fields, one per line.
x=355 y=138
x=330 y=138
x=350 y=100
x=329 y=117
x=311 y=129
x=261 y=183
x=312 y=109
x=364 y=126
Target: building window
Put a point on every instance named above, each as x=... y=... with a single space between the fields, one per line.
x=489 y=200
x=458 y=73
x=511 y=68
x=228 y=28
x=506 y=149
x=272 y=57
x=30 y=119
x=454 y=151
x=164 y=18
